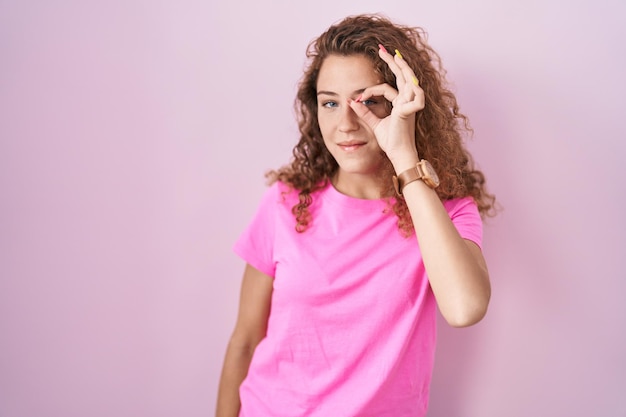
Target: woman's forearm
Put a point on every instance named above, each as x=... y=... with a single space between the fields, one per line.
x=251 y=327
x=236 y=364
x=456 y=268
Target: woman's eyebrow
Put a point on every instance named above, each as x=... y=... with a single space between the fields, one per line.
x=332 y=93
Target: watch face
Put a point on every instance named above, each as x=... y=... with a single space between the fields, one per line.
x=431 y=177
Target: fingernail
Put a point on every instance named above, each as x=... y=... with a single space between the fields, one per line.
x=399 y=54
x=358 y=99
x=415 y=81
x=382 y=48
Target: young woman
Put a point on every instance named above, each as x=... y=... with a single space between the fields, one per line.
x=374 y=223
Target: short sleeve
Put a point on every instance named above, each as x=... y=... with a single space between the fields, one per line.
x=256 y=244
x=466 y=218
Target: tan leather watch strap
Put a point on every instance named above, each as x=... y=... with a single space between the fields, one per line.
x=405 y=177
x=421 y=171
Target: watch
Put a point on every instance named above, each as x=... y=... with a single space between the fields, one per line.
x=423 y=170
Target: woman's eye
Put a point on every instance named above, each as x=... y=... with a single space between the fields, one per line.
x=369 y=102
x=329 y=104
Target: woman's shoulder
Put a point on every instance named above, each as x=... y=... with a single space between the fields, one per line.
x=280 y=192
x=460 y=204
x=288 y=191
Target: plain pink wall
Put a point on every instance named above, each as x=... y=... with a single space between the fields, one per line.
x=133 y=140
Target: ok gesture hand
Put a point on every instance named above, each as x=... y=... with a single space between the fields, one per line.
x=396 y=132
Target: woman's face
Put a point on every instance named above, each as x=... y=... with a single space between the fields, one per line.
x=349 y=140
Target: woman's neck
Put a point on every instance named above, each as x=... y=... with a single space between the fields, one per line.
x=367 y=187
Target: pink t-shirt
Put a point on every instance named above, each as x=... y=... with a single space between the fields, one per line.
x=352 y=325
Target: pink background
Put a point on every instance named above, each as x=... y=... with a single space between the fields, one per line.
x=133 y=140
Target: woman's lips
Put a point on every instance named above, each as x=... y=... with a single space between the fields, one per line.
x=350 y=146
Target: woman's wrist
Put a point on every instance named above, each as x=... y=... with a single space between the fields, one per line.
x=404 y=162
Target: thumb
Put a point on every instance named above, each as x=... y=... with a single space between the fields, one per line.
x=364 y=113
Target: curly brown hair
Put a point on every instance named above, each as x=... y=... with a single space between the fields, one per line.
x=439 y=126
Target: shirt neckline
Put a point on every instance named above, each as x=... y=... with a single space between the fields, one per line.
x=331 y=194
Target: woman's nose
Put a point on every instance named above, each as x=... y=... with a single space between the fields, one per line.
x=348 y=119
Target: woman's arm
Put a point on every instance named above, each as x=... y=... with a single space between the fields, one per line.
x=456 y=268
x=250 y=329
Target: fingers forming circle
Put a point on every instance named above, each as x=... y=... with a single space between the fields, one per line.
x=380 y=90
